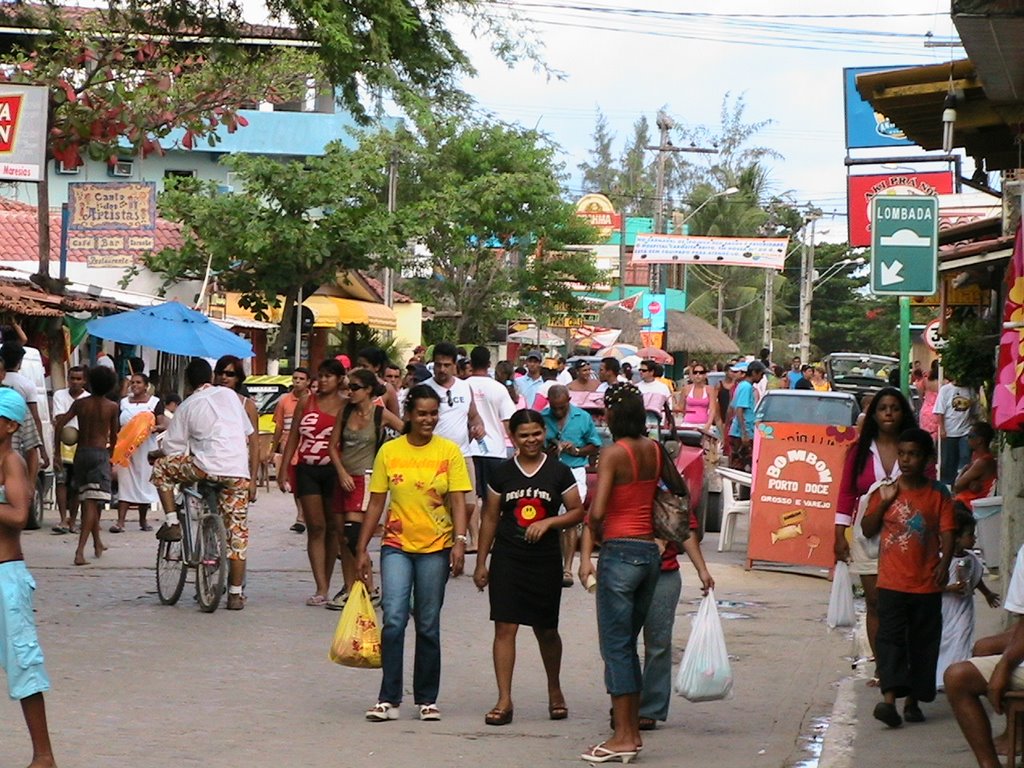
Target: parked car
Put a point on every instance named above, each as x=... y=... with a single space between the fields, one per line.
x=862 y=374
x=805 y=406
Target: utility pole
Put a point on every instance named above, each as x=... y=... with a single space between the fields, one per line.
x=807 y=284
x=658 y=281
x=769 y=307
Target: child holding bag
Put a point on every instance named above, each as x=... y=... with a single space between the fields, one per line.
x=915 y=518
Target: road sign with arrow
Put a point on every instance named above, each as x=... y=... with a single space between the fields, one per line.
x=904 y=245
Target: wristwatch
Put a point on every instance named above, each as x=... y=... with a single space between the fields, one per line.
x=462 y=537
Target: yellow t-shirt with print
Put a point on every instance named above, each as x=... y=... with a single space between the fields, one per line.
x=419 y=478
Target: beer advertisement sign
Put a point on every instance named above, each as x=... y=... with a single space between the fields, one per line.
x=22 y=132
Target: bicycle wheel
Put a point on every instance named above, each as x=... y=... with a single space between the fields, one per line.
x=170 y=571
x=212 y=566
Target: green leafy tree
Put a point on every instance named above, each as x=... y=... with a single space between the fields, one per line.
x=294 y=225
x=485 y=200
x=601 y=173
x=116 y=89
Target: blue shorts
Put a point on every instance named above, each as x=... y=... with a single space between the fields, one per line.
x=20 y=654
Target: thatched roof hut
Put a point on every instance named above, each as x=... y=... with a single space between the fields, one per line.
x=686 y=332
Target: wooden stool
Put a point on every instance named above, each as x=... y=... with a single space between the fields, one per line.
x=1013 y=706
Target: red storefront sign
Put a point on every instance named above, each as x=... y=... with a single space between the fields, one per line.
x=861 y=189
x=10 y=109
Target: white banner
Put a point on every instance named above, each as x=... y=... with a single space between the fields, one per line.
x=763 y=252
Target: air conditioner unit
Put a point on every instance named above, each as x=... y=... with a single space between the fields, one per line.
x=67 y=170
x=122 y=169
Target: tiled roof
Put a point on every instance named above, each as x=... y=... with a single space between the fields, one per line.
x=378 y=288
x=19 y=234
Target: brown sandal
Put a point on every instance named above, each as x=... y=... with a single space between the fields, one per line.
x=498 y=716
x=558 y=711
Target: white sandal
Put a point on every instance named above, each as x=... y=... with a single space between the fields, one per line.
x=381 y=712
x=429 y=712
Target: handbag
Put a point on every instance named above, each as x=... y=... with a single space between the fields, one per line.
x=671 y=508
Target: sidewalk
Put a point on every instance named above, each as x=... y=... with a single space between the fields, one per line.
x=855 y=738
x=137 y=684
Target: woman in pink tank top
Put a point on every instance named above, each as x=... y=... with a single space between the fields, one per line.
x=628 y=568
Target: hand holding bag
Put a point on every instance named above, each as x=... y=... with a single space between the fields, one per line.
x=705 y=673
x=357 y=638
x=840 y=602
x=671 y=507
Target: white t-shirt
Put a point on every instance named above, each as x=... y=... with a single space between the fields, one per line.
x=62 y=401
x=453 y=420
x=656 y=394
x=22 y=385
x=958 y=407
x=494 y=406
x=211 y=425
x=564 y=378
x=1014 y=601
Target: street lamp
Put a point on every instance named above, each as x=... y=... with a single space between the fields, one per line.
x=809 y=279
x=835 y=269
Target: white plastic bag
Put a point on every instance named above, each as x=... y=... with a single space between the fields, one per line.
x=840 y=602
x=705 y=673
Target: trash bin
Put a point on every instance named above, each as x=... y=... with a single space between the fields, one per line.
x=987 y=512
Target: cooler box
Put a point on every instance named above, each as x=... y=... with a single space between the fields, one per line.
x=988 y=513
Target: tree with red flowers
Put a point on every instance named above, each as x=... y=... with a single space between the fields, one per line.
x=116 y=91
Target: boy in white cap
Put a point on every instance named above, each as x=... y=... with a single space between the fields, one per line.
x=20 y=654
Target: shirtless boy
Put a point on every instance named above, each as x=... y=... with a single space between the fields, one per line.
x=22 y=660
x=97 y=435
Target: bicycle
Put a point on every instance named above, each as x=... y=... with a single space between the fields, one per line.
x=203 y=548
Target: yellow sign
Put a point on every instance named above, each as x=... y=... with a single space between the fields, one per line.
x=112 y=206
x=968 y=296
x=599 y=211
x=109 y=260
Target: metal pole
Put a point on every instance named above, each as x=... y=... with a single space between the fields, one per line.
x=905 y=345
x=389 y=273
x=769 y=307
x=298 y=329
x=622 y=255
x=807 y=290
x=658 y=271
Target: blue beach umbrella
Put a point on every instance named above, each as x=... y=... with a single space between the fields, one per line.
x=172 y=328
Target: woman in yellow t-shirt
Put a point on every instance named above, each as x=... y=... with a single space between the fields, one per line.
x=424 y=539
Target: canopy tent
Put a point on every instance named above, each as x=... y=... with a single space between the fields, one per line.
x=171 y=327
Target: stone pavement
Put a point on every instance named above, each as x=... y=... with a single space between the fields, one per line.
x=137 y=684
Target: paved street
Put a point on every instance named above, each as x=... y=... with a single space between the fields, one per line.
x=139 y=684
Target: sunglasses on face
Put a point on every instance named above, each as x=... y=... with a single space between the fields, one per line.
x=229 y=374
x=354 y=387
x=699 y=373
x=645 y=370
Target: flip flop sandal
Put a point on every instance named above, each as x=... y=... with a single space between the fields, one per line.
x=317 y=601
x=601 y=754
x=116 y=529
x=58 y=530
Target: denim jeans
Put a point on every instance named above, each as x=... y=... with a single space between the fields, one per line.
x=627 y=574
x=657 y=690
x=423 y=577
x=955 y=455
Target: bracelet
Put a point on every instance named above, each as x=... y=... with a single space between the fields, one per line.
x=462 y=537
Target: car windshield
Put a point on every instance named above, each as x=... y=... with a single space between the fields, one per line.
x=806 y=408
x=867 y=367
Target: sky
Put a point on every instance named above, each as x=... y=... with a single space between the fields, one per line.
x=787 y=69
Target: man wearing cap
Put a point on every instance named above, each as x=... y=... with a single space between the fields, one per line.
x=530 y=385
x=741 y=431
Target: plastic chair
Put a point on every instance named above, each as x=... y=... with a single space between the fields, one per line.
x=732 y=506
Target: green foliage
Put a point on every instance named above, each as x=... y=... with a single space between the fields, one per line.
x=969 y=357
x=484 y=198
x=293 y=224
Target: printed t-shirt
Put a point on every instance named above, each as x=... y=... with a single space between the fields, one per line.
x=525 y=499
x=453 y=412
x=743 y=397
x=419 y=478
x=909 y=544
x=284 y=411
x=957 y=406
